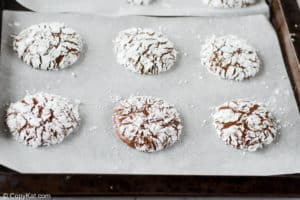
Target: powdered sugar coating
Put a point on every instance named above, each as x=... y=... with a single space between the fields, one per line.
x=48 y=46
x=147 y=124
x=245 y=124
x=139 y=2
x=42 y=119
x=229 y=3
x=144 y=51
x=230 y=57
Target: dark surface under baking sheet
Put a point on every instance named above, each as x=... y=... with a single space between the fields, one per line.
x=284 y=16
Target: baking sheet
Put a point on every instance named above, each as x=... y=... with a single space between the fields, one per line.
x=158 y=7
x=100 y=82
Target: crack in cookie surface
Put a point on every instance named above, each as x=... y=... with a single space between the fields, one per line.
x=147 y=123
x=48 y=46
x=144 y=51
x=42 y=119
x=230 y=58
x=245 y=124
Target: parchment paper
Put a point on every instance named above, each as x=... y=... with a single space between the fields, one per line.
x=157 y=8
x=193 y=90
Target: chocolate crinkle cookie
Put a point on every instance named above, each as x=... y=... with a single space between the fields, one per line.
x=229 y=3
x=48 y=46
x=245 y=124
x=147 y=124
x=144 y=51
x=230 y=57
x=42 y=119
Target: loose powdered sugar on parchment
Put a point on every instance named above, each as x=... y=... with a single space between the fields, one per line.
x=229 y=3
x=147 y=123
x=48 y=46
x=230 y=57
x=42 y=119
x=144 y=51
x=245 y=124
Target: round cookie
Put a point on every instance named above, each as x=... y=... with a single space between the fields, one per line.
x=42 y=119
x=144 y=51
x=147 y=124
x=245 y=124
x=230 y=57
x=139 y=2
x=229 y=3
x=48 y=46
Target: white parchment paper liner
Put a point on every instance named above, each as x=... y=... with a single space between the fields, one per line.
x=100 y=80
